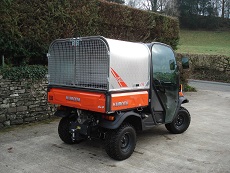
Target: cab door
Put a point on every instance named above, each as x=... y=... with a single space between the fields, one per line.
x=165 y=80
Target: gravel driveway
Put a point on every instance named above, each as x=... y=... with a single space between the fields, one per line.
x=204 y=147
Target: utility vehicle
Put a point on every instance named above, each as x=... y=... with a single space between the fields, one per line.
x=109 y=89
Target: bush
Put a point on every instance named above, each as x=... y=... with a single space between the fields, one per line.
x=188 y=88
x=204 y=22
x=33 y=72
x=210 y=75
x=28 y=27
x=207 y=67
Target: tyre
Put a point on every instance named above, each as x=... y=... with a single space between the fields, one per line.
x=64 y=131
x=180 y=123
x=120 y=143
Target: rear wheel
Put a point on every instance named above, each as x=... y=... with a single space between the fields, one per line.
x=64 y=131
x=180 y=123
x=120 y=143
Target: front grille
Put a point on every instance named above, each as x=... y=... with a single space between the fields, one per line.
x=79 y=63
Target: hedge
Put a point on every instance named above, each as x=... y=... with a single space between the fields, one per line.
x=207 y=67
x=32 y=72
x=28 y=27
x=204 y=22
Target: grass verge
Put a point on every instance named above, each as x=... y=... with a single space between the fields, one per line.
x=204 y=42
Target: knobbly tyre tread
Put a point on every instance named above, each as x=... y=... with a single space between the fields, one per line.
x=112 y=142
x=171 y=127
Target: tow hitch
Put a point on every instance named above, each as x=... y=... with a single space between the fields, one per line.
x=79 y=131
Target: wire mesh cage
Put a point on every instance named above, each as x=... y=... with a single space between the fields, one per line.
x=79 y=63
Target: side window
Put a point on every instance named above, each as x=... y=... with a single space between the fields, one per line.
x=164 y=63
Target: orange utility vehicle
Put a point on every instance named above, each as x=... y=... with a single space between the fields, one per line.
x=109 y=89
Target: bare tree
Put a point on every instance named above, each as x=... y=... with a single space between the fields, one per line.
x=131 y=3
x=162 y=4
x=171 y=8
x=117 y=1
x=216 y=4
x=134 y=3
x=227 y=9
x=223 y=7
x=154 y=5
x=150 y=5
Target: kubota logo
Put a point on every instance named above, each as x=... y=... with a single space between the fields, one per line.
x=123 y=103
x=74 y=99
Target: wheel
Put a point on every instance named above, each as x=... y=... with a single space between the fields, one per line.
x=120 y=143
x=180 y=123
x=64 y=132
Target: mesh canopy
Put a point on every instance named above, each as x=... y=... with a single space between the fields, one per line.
x=79 y=63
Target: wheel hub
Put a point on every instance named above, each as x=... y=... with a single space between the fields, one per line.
x=125 y=141
x=179 y=120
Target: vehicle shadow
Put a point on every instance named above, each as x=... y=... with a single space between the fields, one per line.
x=95 y=148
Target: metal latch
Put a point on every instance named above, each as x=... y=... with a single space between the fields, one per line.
x=75 y=42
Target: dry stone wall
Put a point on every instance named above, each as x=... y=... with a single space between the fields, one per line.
x=23 y=102
x=217 y=62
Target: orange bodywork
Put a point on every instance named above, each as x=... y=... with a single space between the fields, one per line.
x=129 y=100
x=78 y=99
x=180 y=91
x=97 y=101
x=181 y=94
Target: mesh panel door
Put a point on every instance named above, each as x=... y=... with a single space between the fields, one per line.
x=80 y=62
x=92 y=64
x=61 y=63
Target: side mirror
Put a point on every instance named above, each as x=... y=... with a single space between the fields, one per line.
x=172 y=64
x=185 y=62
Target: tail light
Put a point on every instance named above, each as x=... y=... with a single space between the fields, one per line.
x=109 y=117
x=51 y=97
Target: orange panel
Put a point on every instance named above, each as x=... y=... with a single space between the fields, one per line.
x=78 y=99
x=129 y=100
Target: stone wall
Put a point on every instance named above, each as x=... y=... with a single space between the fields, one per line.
x=23 y=102
x=206 y=67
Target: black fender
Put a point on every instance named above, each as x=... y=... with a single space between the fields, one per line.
x=182 y=100
x=120 y=117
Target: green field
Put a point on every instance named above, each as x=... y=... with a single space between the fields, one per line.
x=204 y=42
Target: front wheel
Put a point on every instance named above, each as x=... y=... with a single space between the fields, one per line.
x=180 y=123
x=120 y=143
